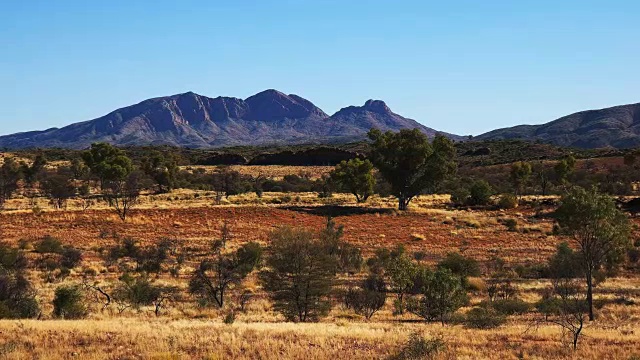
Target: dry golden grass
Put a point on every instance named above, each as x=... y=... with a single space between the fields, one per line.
x=184 y=331
x=197 y=339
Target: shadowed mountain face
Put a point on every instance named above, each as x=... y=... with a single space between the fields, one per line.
x=192 y=120
x=617 y=127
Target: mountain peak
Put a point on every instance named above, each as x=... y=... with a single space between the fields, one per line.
x=378 y=106
x=274 y=105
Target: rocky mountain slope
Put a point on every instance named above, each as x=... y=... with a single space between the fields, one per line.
x=193 y=120
x=617 y=127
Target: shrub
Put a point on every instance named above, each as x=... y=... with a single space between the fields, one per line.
x=69 y=303
x=476 y=285
x=508 y=306
x=17 y=298
x=368 y=299
x=460 y=196
x=484 y=318
x=49 y=245
x=460 y=265
x=508 y=201
x=511 y=224
x=230 y=318
x=136 y=291
x=71 y=257
x=12 y=258
x=532 y=271
x=480 y=193
x=419 y=347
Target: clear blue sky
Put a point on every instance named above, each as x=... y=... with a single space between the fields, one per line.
x=458 y=66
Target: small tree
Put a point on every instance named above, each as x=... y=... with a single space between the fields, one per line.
x=520 y=174
x=442 y=294
x=299 y=274
x=69 y=303
x=227 y=182
x=9 y=176
x=410 y=163
x=59 y=189
x=460 y=265
x=222 y=271
x=163 y=169
x=369 y=298
x=356 y=177
x=598 y=229
x=123 y=194
x=348 y=257
x=563 y=170
x=107 y=163
x=17 y=298
x=31 y=172
x=480 y=193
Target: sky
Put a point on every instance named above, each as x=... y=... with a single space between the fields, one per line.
x=463 y=67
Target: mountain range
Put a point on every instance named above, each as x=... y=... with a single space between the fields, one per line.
x=274 y=118
x=617 y=127
x=191 y=120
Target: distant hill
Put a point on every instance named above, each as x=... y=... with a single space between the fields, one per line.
x=192 y=120
x=617 y=127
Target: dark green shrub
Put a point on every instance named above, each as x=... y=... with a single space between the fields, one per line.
x=368 y=299
x=508 y=201
x=136 y=291
x=17 y=298
x=511 y=224
x=12 y=258
x=508 y=306
x=49 y=245
x=460 y=195
x=460 y=265
x=484 y=318
x=71 y=257
x=480 y=193
x=69 y=303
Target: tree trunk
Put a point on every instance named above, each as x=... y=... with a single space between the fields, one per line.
x=590 y=295
x=403 y=203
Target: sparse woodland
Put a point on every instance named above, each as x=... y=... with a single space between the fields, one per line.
x=409 y=250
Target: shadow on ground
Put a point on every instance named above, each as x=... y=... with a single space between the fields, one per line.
x=335 y=210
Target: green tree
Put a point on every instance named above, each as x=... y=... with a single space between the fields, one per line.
x=409 y=163
x=598 y=229
x=480 y=193
x=58 y=188
x=563 y=169
x=348 y=257
x=520 y=174
x=31 y=172
x=123 y=194
x=69 y=303
x=17 y=298
x=10 y=175
x=460 y=265
x=369 y=298
x=163 y=169
x=442 y=294
x=107 y=163
x=356 y=177
x=220 y=272
x=299 y=274
x=78 y=168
